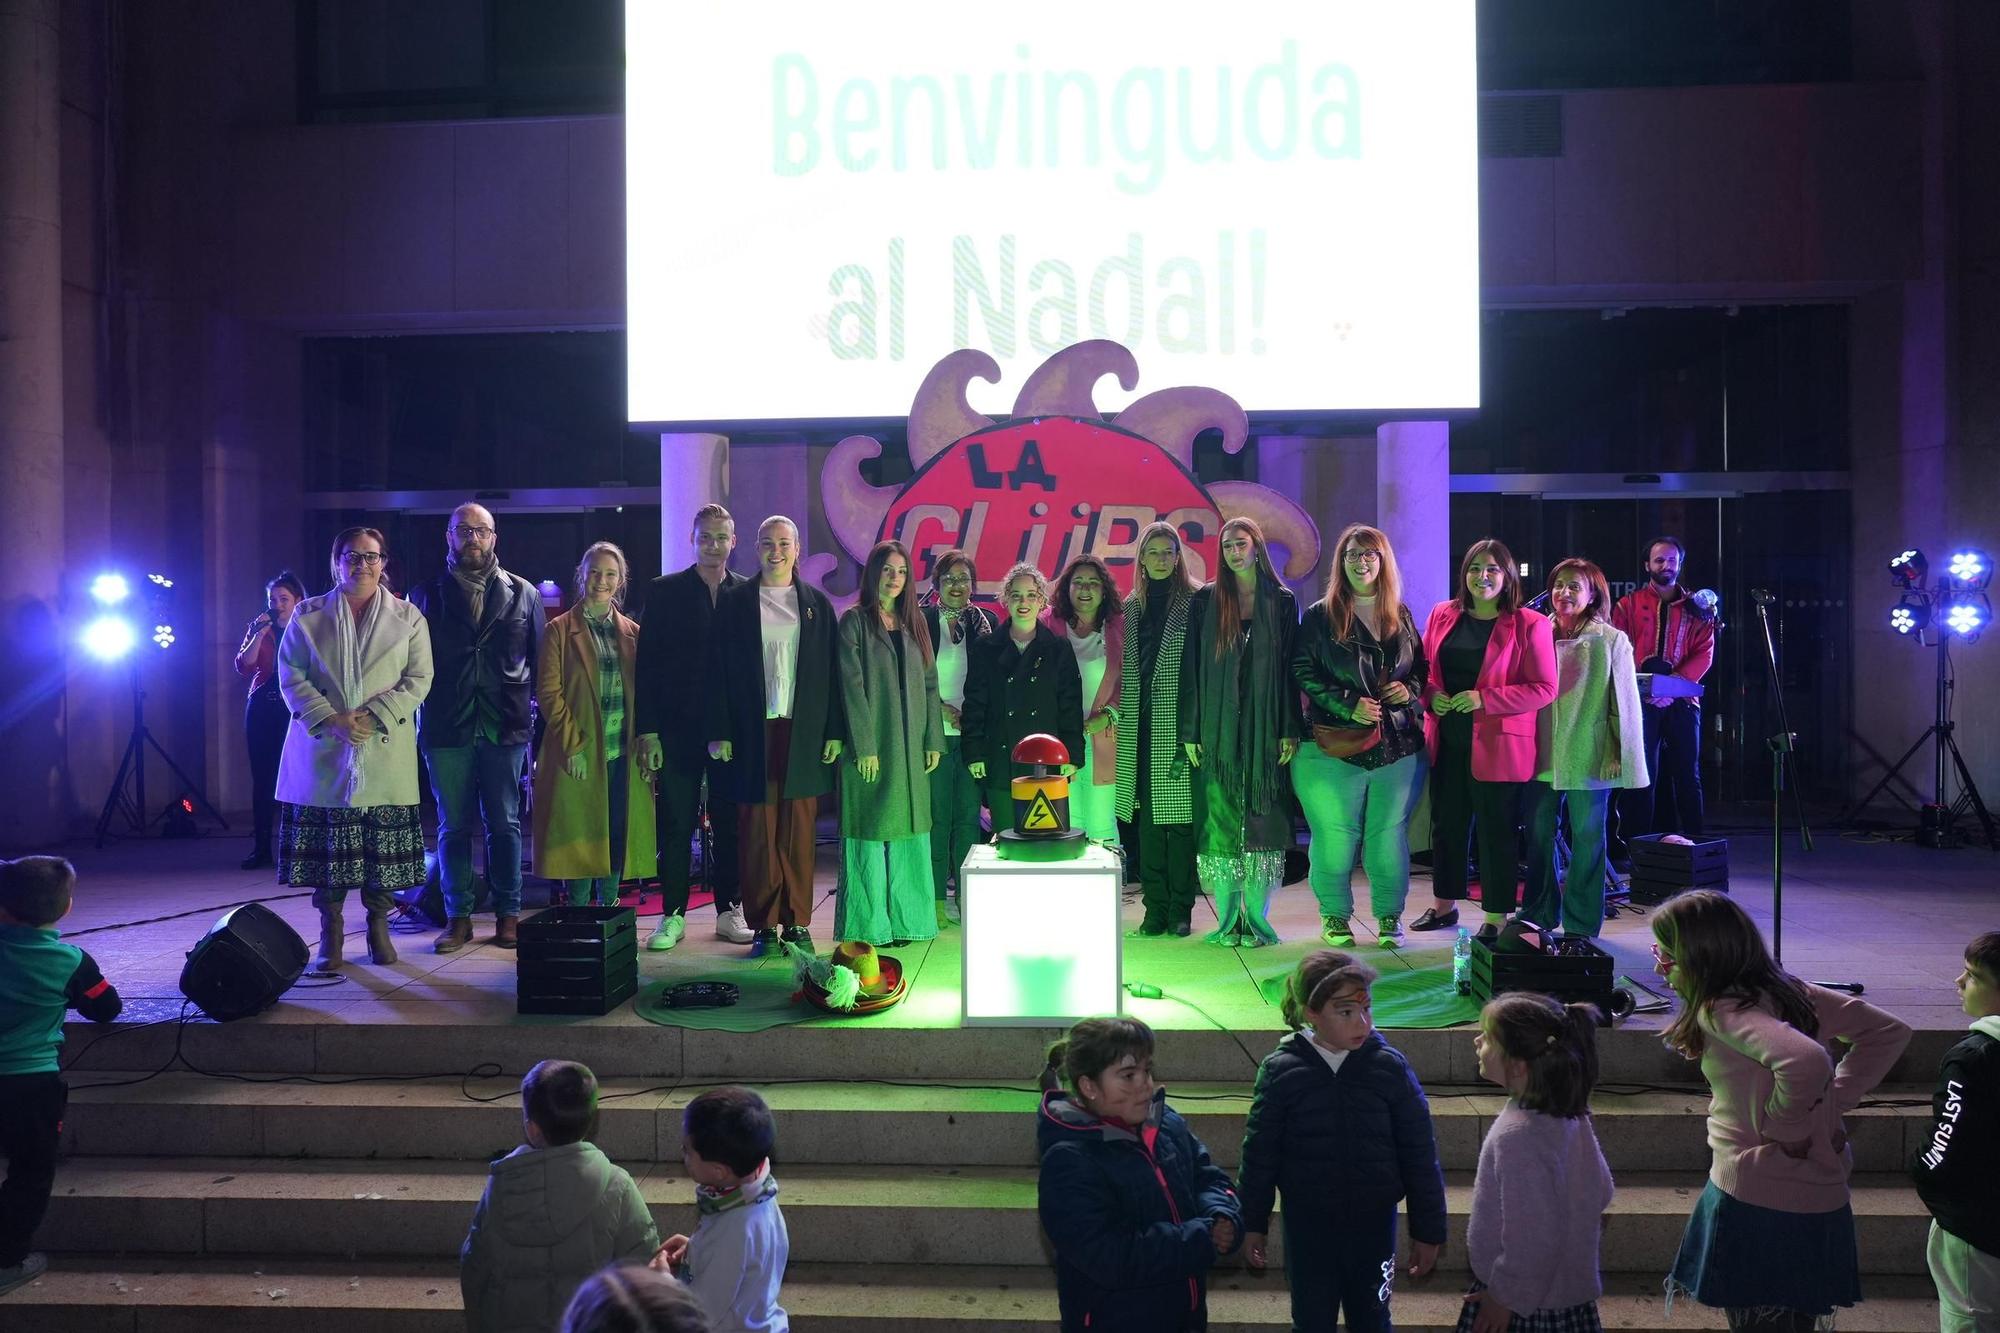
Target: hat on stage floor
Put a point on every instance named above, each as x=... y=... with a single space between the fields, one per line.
x=854 y=979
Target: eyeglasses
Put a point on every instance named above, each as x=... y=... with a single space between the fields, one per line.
x=1358 y=557
x=370 y=558
x=466 y=532
x=955 y=581
x=1662 y=958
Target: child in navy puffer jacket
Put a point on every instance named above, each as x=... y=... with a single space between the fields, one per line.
x=1133 y=1207
x=1340 y=1124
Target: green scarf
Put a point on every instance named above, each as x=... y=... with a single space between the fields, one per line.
x=1241 y=727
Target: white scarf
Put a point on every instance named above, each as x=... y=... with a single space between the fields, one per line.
x=352 y=645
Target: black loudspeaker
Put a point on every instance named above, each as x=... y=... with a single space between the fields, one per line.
x=246 y=961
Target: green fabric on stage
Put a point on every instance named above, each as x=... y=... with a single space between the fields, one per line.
x=1405 y=996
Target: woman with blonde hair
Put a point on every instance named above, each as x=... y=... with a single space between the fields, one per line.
x=1591 y=743
x=1240 y=725
x=1155 y=788
x=1361 y=665
x=895 y=731
x=593 y=816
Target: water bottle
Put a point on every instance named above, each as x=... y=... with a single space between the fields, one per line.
x=1461 y=962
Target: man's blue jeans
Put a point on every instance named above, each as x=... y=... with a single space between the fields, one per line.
x=479 y=783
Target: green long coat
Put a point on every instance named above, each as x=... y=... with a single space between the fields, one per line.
x=894 y=718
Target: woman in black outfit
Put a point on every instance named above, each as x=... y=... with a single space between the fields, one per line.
x=265 y=716
x=1018 y=682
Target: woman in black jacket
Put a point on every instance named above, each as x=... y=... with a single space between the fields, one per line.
x=1018 y=682
x=1240 y=725
x=1360 y=661
x=1134 y=1209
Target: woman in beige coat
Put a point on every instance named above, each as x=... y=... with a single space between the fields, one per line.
x=352 y=667
x=593 y=808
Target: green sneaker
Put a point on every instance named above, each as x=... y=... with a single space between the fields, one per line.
x=1334 y=930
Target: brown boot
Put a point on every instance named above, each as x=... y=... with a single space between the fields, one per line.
x=456 y=935
x=506 y=932
x=332 y=931
x=381 y=949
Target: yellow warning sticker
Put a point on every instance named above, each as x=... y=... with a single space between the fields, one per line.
x=1041 y=816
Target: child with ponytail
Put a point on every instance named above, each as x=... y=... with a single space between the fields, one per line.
x=1777 y=1182
x=1339 y=1124
x=1134 y=1209
x=1534 y=1258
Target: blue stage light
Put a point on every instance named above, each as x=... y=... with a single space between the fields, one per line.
x=1968 y=614
x=109 y=638
x=1910 y=614
x=1970 y=570
x=163 y=635
x=110 y=589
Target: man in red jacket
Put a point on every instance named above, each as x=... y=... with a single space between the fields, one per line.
x=1670 y=635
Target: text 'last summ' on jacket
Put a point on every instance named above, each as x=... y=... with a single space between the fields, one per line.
x=1128 y=1212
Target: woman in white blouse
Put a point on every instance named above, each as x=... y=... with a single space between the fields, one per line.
x=1087 y=608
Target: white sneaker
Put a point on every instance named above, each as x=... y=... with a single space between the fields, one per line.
x=668 y=933
x=730 y=925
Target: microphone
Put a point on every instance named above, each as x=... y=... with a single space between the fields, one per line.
x=1539 y=602
x=1762 y=596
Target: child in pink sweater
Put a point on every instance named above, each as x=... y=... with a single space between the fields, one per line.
x=1538 y=1200
x=1777 y=1183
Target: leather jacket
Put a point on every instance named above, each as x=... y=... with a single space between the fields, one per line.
x=1336 y=674
x=485 y=673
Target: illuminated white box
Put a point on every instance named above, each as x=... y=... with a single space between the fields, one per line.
x=1041 y=939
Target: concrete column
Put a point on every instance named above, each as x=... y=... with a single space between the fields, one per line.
x=694 y=471
x=1413 y=505
x=33 y=797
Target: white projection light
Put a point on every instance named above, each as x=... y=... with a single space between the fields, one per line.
x=1280 y=201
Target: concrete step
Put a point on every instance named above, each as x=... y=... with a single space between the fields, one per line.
x=87 y=1295
x=439 y=1037
x=836 y=1214
x=921 y=1123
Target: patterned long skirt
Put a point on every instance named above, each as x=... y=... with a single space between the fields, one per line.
x=332 y=847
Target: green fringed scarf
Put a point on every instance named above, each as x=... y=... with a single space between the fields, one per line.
x=1240 y=729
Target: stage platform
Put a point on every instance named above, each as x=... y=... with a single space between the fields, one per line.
x=324 y=1184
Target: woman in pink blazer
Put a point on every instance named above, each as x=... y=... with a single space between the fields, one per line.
x=1493 y=669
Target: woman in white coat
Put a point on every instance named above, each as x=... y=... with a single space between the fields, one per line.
x=1591 y=742
x=353 y=666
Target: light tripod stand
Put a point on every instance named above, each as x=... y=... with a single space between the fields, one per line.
x=1937 y=821
x=128 y=789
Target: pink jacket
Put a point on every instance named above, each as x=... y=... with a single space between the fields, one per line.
x=1104 y=745
x=1770 y=1084
x=1516 y=682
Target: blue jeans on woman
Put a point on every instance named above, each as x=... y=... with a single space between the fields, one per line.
x=1581 y=897
x=603 y=890
x=1348 y=806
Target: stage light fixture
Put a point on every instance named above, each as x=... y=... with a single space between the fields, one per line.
x=1968 y=614
x=1908 y=569
x=1911 y=614
x=163 y=635
x=1970 y=571
x=109 y=638
x=110 y=589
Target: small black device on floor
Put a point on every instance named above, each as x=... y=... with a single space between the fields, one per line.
x=700 y=995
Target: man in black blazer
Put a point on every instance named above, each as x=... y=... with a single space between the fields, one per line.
x=668 y=716
x=774 y=721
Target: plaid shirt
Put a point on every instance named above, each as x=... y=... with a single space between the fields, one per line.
x=610 y=683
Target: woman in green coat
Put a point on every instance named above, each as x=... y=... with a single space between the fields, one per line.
x=895 y=722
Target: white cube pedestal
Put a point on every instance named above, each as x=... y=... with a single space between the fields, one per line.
x=1042 y=939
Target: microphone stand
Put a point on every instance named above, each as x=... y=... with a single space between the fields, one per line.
x=1783 y=745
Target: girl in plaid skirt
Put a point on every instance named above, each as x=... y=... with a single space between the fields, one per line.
x=1534 y=1263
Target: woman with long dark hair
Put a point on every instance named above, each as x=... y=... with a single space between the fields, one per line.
x=1361 y=664
x=265 y=716
x=1086 y=608
x=895 y=728
x=1493 y=667
x=1155 y=787
x=1240 y=725
x=353 y=666
x=1591 y=742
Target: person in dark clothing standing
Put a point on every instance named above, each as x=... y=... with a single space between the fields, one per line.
x=955 y=622
x=41 y=978
x=486 y=634
x=1155 y=788
x=1018 y=682
x=1240 y=725
x=1958 y=1163
x=266 y=718
x=673 y=648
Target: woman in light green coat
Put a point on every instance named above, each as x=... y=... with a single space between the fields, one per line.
x=895 y=725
